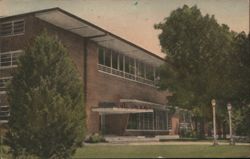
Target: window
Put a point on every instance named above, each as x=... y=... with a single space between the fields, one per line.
x=159 y=120
x=140 y=69
x=114 y=60
x=149 y=72
x=148 y=120
x=141 y=121
x=133 y=121
x=107 y=58
x=120 y=62
x=131 y=66
x=126 y=64
x=9 y=59
x=3 y=82
x=12 y=28
x=6 y=29
x=5 y=60
x=18 y=27
x=101 y=56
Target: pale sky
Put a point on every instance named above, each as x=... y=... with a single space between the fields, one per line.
x=134 y=19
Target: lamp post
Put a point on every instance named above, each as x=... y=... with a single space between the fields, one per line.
x=213 y=102
x=229 y=108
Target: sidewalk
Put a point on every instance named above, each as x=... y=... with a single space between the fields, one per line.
x=166 y=143
x=142 y=140
x=129 y=139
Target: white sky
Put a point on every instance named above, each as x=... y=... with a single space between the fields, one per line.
x=134 y=19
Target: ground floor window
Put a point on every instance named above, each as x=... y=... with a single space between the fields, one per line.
x=158 y=120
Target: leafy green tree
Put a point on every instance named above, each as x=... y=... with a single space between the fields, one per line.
x=46 y=102
x=198 y=67
x=241 y=71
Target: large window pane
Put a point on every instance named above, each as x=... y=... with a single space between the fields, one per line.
x=148 y=121
x=114 y=60
x=141 y=121
x=140 y=69
x=161 y=120
x=149 y=72
x=120 y=62
x=131 y=66
x=107 y=57
x=101 y=56
x=126 y=64
x=133 y=122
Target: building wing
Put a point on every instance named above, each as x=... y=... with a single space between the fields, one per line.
x=104 y=38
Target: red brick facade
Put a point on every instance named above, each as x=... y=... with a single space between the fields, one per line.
x=98 y=86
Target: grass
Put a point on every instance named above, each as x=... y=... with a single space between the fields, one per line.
x=168 y=151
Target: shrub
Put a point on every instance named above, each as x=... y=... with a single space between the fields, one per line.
x=95 y=138
x=46 y=103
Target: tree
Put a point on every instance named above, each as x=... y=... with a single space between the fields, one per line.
x=198 y=67
x=241 y=72
x=46 y=102
x=241 y=68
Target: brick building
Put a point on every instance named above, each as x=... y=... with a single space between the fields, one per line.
x=119 y=77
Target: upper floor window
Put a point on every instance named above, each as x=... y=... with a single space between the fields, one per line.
x=11 y=28
x=124 y=66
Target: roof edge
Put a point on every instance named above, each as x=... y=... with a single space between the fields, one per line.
x=93 y=25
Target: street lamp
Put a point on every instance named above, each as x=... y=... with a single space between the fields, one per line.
x=213 y=102
x=229 y=108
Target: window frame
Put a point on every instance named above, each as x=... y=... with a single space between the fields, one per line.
x=127 y=67
x=12 y=22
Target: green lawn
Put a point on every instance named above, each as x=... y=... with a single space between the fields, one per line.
x=148 y=151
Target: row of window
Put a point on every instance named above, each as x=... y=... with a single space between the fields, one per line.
x=125 y=64
x=158 y=120
x=15 y=27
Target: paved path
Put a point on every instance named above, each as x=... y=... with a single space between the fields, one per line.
x=184 y=143
x=166 y=143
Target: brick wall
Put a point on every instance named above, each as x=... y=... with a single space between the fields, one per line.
x=33 y=27
x=100 y=86
x=105 y=87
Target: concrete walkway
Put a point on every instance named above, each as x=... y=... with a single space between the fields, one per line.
x=128 y=139
x=185 y=143
x=142 y=140
x=165 y=143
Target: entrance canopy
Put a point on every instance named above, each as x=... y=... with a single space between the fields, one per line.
x=126 y=106
x=116 y=110
x=72 y=23
x=144 y=103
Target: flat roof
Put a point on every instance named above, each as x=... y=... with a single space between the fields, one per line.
x=77 y=25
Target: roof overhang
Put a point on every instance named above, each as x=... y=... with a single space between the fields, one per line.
x=72 y=23
x=144 y=103
x=115 y=110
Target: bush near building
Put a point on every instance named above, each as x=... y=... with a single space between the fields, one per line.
x=46 y=103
